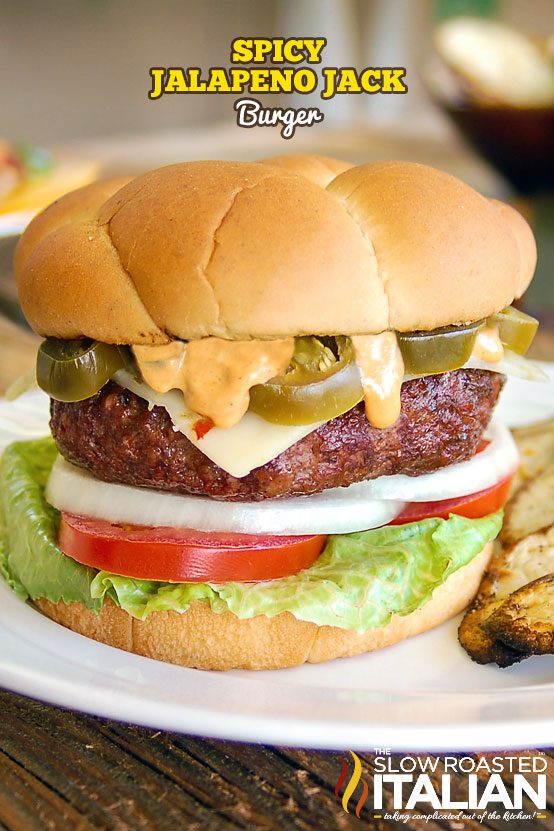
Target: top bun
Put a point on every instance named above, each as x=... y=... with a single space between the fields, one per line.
x=321 y=170
x=240 y=250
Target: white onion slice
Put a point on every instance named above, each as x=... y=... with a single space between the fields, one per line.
x=511 y=364
x=335 y=511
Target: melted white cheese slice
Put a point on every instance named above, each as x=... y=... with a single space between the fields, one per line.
x=253 y=441
x=239 y=449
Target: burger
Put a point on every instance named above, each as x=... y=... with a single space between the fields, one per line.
x=271 y=395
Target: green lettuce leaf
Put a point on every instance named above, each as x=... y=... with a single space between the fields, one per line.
x=359 y=581
x=30 y=559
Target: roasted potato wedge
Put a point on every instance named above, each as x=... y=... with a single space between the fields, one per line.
x=509 y=570
x=530 y=508
x=525 y=621
x=536 y=447
x=482 y=647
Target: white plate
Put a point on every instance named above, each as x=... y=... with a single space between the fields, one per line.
x=14 y=223
x=423 y=694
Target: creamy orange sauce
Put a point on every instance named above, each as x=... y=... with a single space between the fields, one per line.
x=381 y=370
x=161 y=367
x=215 y=375
x=488 y=346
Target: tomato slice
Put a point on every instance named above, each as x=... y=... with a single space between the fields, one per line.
x=473 y=506
x=184 y=556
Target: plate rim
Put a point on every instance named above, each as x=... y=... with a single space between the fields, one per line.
x=530 y=727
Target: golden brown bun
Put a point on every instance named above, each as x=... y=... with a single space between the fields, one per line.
x=445 y=254
x=73 y=281
x=213 y=248
x=321 y=170
x=203 y=639
x=525 y=242
x=242 y=250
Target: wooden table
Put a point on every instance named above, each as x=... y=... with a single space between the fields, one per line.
x=65 y=771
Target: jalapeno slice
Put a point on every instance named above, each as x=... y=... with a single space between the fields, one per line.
x=321 y=383
x=516 y=329
x=71 y=370
x=442 y=350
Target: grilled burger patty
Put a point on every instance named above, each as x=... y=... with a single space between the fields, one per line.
x=115 y=436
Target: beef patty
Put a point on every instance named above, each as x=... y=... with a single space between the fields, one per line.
x=116 y=437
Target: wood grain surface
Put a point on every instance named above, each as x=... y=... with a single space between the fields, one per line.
x=64 y=771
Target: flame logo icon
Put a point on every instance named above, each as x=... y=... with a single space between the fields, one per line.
x=353 y=783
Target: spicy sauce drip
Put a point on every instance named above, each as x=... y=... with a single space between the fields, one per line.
x=381 y=370
x=215 y=375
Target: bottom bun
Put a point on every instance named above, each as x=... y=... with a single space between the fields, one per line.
x=203 y=639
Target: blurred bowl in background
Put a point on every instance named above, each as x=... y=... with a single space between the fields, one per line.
x=518 y=142
x=496 y=83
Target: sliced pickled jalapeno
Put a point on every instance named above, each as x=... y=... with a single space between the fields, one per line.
x=321 y=383
x=429 y=353
x=516 y=329
x=323 y=380
x=71 y=370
